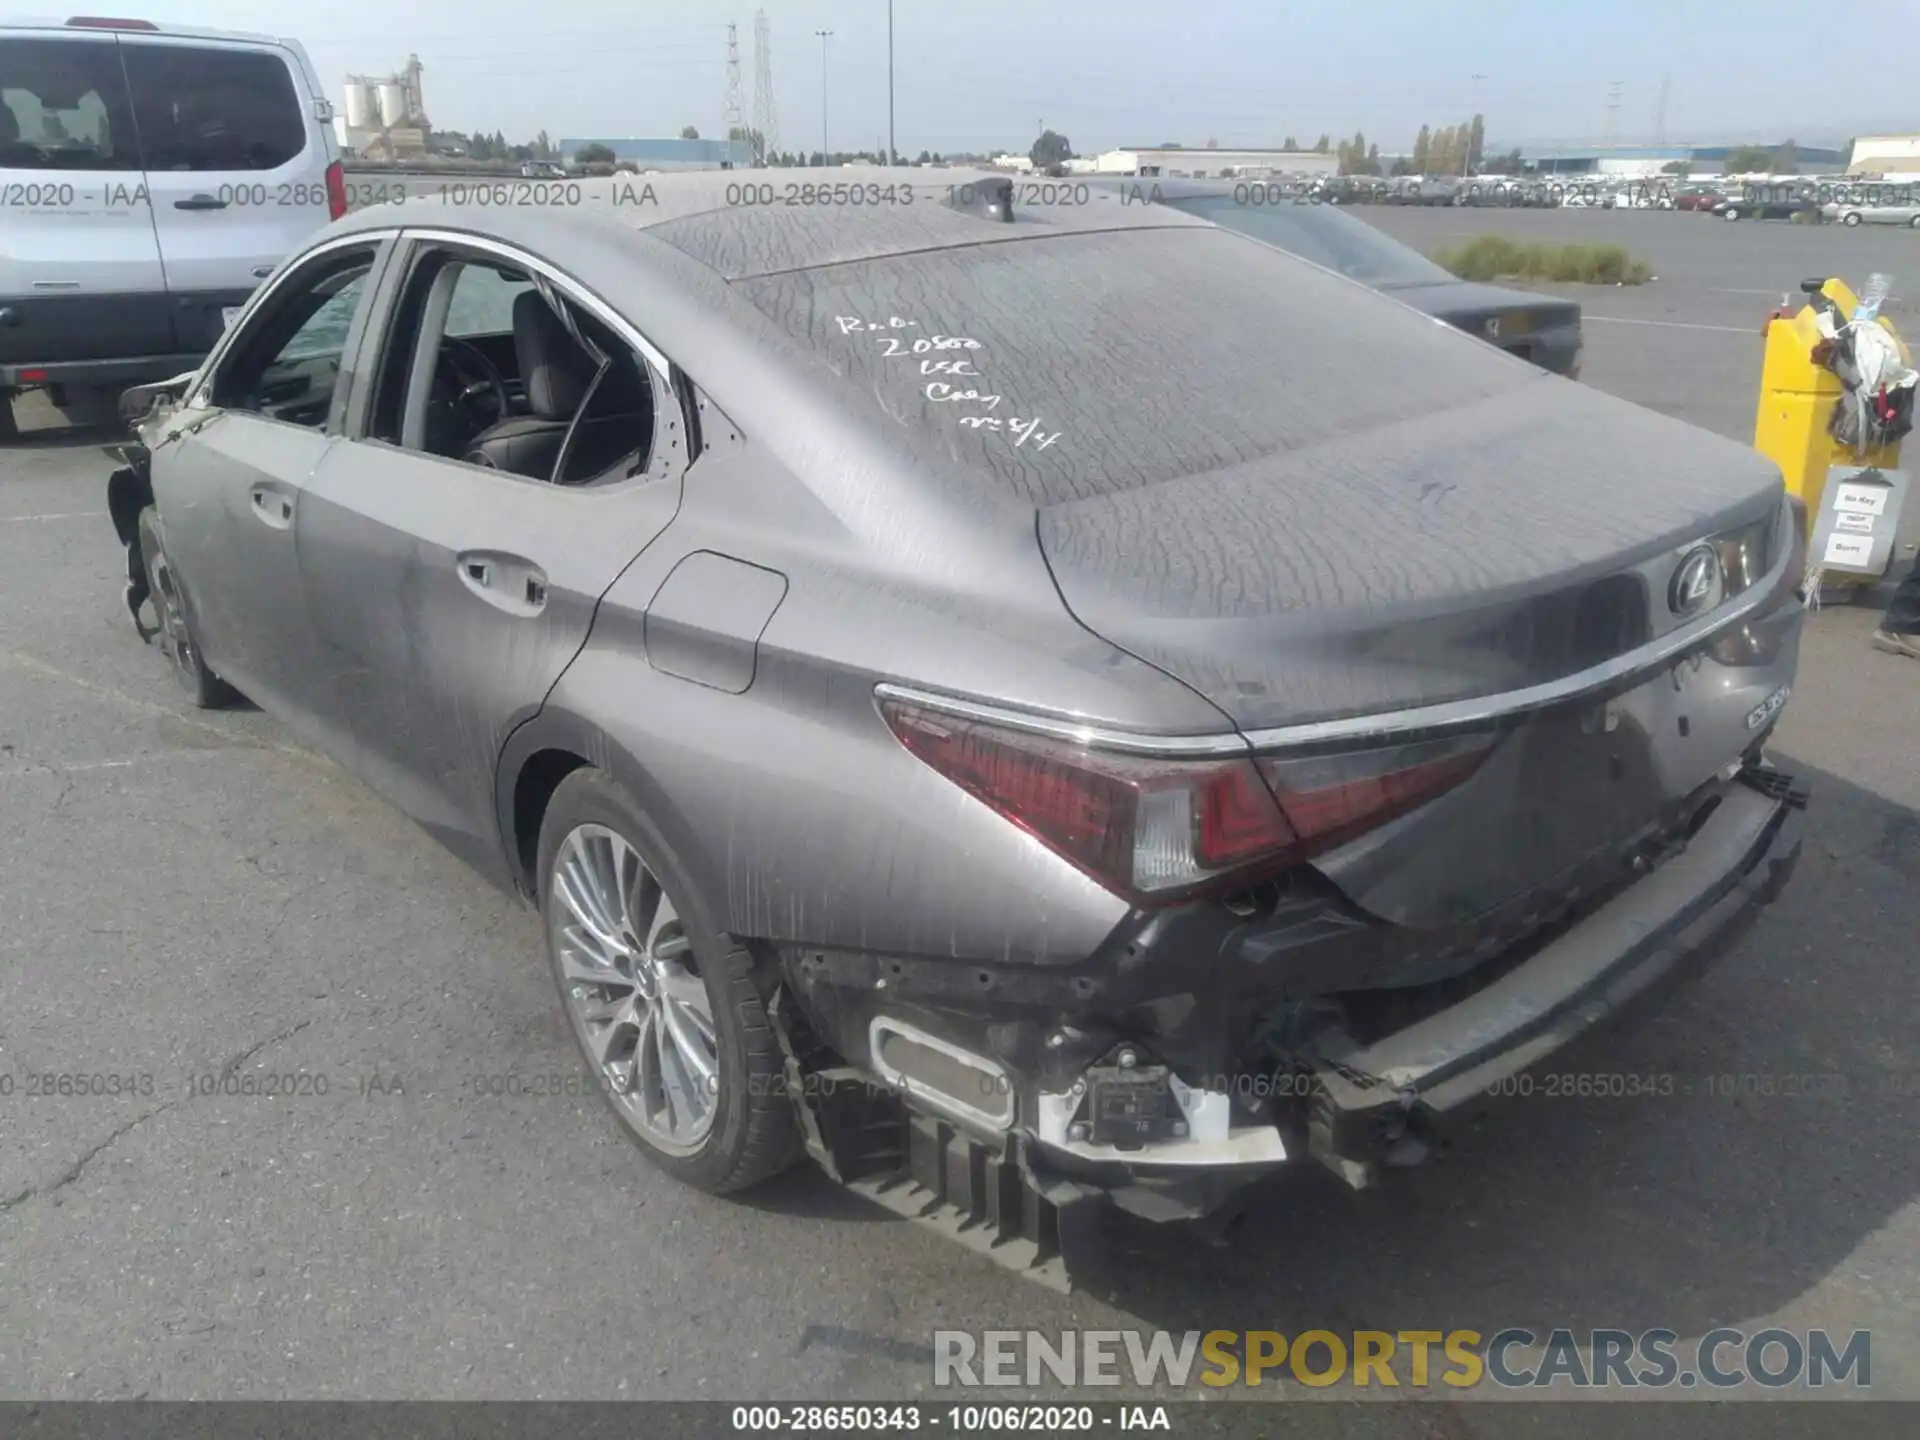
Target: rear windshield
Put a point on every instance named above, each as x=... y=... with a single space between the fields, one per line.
x=1326 y=237
x=63 y=106
x=208 y=109
x=1079 y=365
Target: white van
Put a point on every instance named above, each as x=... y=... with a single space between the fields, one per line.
x=150 y=178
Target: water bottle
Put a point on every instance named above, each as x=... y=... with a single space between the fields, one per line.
x=1868 y=309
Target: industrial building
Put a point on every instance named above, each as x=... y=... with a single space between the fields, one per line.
x=669 y=154
x=1638 y=161
x=1885 y=155
x=385 y=117
x=1208 y=163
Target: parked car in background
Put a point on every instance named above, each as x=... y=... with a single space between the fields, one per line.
x=1769 y=202
x=1540 y=328
x=1698 y=197
x=1871 y=212
x=1225 y=718
x=152 y=176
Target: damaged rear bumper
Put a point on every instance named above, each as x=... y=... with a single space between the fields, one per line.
x=1000 y=1123
x=1663 y=928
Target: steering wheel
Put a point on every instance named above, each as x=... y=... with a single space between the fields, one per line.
x=475 y=376
x=469 y=394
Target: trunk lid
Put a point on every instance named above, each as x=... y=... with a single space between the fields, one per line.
x=1503 y=544
x=1511 y=319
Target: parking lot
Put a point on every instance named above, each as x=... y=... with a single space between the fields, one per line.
x=191 y=895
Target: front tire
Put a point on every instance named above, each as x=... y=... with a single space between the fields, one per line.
x=663 y=1005
x=1731 y=213
x=207 y=690
x=9 y=428
x=1852 y=218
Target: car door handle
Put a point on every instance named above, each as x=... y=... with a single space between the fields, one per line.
x=200 y=202
x=506 y=582
x=272 y=507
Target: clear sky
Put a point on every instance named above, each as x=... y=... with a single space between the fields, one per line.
x=985 y=73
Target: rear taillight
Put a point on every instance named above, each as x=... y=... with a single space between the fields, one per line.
x=336 y=190
x=1158 y=830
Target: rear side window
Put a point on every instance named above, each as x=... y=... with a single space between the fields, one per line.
x=206 y=109
x=63 y=106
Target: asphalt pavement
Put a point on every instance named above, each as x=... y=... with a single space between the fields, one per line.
x=187 y=898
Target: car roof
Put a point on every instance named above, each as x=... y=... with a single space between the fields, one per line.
x=740 y=233
x=185 y=32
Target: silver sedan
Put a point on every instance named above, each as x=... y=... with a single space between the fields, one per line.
x=1018 y=692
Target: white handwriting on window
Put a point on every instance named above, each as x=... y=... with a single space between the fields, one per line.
x=926 y=343
x=1025 y=429
x=849 y=324
x=939 y=390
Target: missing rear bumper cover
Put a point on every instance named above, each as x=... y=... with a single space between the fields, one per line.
x=1667 y=926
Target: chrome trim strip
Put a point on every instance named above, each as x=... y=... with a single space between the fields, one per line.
x=621 y=326
x=955 y=1107
x=1452 y=715
x=1068 y=728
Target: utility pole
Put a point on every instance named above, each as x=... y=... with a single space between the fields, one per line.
x=1466 y=162
x=1614 y=90
x=893 y=156
x=824 y=152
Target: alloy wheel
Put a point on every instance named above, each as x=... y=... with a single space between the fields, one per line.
x=633 y=989
x=176 y=641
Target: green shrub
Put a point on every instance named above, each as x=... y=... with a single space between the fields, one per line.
x=1494 y=257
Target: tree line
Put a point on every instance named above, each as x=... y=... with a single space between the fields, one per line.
x=481 y=146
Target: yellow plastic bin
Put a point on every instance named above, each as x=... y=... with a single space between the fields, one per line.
x=1796 y=401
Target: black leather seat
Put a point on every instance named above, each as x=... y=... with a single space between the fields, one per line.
x=14 y=150
x=556 y=372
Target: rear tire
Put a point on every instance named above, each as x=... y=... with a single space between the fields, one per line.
x=604 y=867
x=207 y=690
x=9 y=430
x=1914 y=224
x=1851 y=218
x=1731 y=213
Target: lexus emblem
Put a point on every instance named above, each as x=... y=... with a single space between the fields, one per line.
x=1697 y=583
x=1493 y=328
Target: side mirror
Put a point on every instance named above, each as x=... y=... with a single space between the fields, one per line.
x=139 y=403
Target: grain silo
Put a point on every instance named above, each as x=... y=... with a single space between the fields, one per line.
x=393 y=104
x=362 y=106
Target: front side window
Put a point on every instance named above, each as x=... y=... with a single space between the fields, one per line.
x=483 y=302
x=63 y=106
x=202 y=109
x=485 y=365
x=286 y=364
